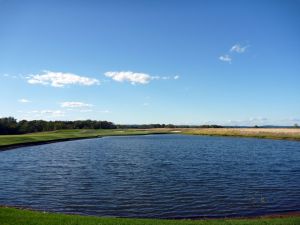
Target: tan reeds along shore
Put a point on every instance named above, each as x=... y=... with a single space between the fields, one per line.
x=272 y=133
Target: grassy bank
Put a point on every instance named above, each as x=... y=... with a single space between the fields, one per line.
x=61 y=135
x=12 y=216
x=7 y=141
x=270 y=133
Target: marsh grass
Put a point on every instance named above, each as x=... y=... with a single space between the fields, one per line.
x=270 y=133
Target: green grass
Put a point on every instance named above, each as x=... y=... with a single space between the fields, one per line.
x=9 y=140
x=12 y=216
x=60 y=135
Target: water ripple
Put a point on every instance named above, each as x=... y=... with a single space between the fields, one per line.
x=162 y=176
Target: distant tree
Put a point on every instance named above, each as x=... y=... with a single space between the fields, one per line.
x=9 y=125
x=170 y=126
x=256 y=126
x=296 y=125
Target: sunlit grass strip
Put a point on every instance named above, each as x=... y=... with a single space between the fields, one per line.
x=12 y=216
x=61 y=135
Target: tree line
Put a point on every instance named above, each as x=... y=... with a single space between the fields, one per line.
x=157 y=125
x=9 y=125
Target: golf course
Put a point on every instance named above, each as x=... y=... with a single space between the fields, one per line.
x=11 y=141
x=19 y=216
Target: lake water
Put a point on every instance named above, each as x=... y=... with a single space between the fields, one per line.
x=162 y=176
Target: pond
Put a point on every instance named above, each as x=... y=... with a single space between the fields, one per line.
x=157 y=176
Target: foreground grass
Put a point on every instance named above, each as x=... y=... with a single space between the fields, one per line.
x=9 y=140
x=12 y=216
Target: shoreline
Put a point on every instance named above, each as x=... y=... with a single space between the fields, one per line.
x=288 y=134
x=215 y=132
x=288 y=214
x=27 y=144
x=244 y=136
x=35 y=143
x=285 y=216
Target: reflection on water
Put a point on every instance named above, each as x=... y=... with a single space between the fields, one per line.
x=165 y=176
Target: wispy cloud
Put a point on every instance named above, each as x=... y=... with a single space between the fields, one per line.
x=53 y=113
x=6 y=75
x=249 y=121
x=238 y=48
x=75 y=105
x=24 y=100
x=225 y=58
x=60 y=79
x=40 y=114
x=135 y=78
x=132 y=77
x=103 y=111
x=85 y=110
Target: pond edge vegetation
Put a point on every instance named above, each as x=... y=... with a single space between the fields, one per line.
x=17 y=216
x=38 y=138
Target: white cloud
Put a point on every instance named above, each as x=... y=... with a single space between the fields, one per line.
x=85 y=110
x=257 y=119
x=155 y=77
x=132 y=77
x=41 y=114
x=261 y=121
x=23 y=100
x=104 y=111
x=59 y=79
x=75 y=105
x=52 y=113
x=6 y=75
x=225 y=58
x=238 y=48
x=248 y=122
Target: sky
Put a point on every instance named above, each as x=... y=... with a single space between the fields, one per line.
x=160 y=61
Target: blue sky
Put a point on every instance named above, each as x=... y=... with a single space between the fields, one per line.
x=181 y=62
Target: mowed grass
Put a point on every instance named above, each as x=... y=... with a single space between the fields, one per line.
x=59 y=135
x=12 y=216
x=8 y=140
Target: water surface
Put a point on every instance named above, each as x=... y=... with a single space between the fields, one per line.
x=162 y=176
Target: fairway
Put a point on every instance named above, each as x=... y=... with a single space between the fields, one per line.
x=64 y=135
